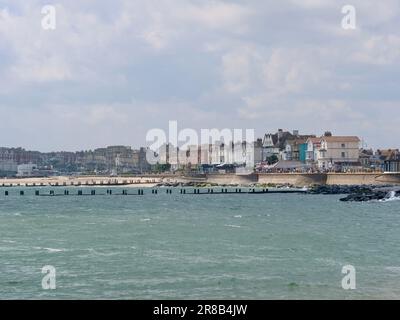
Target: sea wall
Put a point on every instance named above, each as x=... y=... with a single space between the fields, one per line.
x=301 y=179
x=296 y=179
x=232 y=178
x=363 y=178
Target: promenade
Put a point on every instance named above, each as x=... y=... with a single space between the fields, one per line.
x=295 y=179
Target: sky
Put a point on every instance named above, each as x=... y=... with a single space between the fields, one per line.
x=113 y=70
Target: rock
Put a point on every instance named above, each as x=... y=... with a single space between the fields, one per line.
x=336 y=189
x=367 y=196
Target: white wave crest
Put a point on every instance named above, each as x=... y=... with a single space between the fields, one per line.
x=391 y=196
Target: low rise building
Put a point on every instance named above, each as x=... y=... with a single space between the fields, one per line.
x=273 y=144
x=313 y=146
x=338 y=152
x=296 y=149
x=367 y=158
x=27 y=170
x=285 y=146
x=8 y=168
x=390 y=159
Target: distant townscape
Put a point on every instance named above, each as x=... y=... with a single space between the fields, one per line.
x=282 y=151
x=111 y=161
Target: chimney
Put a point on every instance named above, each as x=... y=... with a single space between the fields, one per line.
x=280 y=134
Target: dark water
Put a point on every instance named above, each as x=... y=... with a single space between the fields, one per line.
x=270 y=246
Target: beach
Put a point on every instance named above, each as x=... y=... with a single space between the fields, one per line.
x=59 y=181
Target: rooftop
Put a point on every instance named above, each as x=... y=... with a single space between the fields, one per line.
x=341 y=139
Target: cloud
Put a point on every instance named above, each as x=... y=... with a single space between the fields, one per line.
x=112 y=71
x=310 y=4
x=379 y=50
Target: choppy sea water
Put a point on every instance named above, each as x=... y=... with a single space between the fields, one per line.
x=271 y=246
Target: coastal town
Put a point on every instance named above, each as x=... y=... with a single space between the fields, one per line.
x=199 y=159
x=280 y=152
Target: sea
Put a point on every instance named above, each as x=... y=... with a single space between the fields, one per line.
x=186 y=246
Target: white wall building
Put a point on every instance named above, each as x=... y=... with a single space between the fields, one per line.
x=340 y=151
x=27 y=170
x=313 y=145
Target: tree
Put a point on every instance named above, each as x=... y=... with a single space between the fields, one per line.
x=162 y=167
x=272 y=159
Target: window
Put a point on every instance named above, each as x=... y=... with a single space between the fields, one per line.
x=343 y=154
x=343 y=145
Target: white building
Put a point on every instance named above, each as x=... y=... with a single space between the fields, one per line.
x=238 y=154
x=313 y=145
x=27 y=170
x=339 y=151
x=270 y=146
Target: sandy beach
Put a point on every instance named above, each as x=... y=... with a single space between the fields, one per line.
x=137 y=182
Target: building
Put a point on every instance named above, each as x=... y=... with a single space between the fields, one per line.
x=27 y=170
x=338 y=152
x=285 y=145
x=140 y=160
x=303 y=152
x=295 y=149
x=258 y=151
x=313 y=146
x=367 y=158
x=392 y=163
x=10 y=158
x=208 y=156
x=8 y=168
x=20 y=156
x=286 y=166
x=390 y=160
x=273 y=144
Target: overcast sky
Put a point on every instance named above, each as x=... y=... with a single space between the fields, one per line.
x=112 y=70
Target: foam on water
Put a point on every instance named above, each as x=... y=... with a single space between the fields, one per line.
x=391 y=196
x=232 y=226
x=51 y=250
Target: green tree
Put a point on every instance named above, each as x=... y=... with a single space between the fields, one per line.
x=272 y=159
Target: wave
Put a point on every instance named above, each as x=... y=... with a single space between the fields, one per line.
x=51 y=250
x=232 y=226
x=391 y=196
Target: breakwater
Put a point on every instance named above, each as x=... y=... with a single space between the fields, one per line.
x=141 y=192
